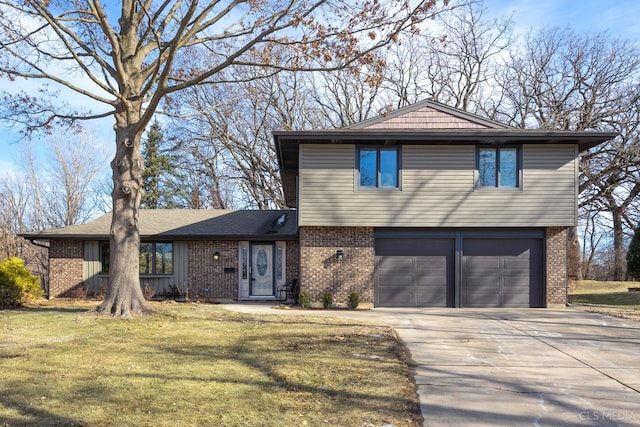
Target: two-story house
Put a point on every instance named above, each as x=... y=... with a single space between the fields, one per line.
x=426 y=206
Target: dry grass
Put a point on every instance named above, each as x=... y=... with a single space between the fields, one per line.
x=597 y=287
x=199 y=365
x=611 y=298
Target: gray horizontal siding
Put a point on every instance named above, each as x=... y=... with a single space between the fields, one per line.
x=437 y=190
x=94 y=280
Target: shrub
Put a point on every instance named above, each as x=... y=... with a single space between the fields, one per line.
x=354 y=300
x=304 y=300
x=17 y=284
x=79 y=293
x=148 y=292
x=327 y=300
x=100 y=293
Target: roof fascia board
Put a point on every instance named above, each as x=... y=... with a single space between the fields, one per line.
x=258 y=237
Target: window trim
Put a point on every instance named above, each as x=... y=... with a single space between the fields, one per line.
x=378 y=187
x=497 y=186
x=105 y=271
x=154 y=262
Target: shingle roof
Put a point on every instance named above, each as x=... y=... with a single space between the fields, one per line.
x=188 y=224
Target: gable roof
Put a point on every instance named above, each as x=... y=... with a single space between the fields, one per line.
x=188 y=224
x=428 y=114
x=423 y=123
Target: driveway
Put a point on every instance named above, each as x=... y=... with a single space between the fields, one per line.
x=513 y=367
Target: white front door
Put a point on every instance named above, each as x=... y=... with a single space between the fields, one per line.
x=262 y=284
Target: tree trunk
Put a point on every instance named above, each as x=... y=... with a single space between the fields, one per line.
x=574 y=267
x=124 y=295
x=618 y=245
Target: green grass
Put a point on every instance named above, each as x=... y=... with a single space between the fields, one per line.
x=192 y=365
x=605 y=294
x=599 y=287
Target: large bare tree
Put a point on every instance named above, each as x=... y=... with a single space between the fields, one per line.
x=558 y=79
x=55 y=189
x=140 y=54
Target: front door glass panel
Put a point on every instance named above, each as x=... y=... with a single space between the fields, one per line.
x=262 y=270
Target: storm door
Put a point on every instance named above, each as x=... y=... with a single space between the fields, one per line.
x=262 y=283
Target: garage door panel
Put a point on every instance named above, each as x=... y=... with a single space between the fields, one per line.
x=398 y=264
x=395 y=282
x=512 y=283
x=516 y=300
x=508 y=268
x=429 y=264
x=395 y=298
x=483 y=262
x=481 y=300
x=478 y=277
x=488 y=285
x=516 y=263
x=432 y=281
x=414 y=272
x=431 y=299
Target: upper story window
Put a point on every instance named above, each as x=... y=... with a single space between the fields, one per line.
x=499 y=167
x=379 y=167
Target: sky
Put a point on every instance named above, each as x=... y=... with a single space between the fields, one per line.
x=617 y=17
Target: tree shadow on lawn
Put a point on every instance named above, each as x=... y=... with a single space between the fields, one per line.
x=278 y=380
x=62 y=309
x=32 y=414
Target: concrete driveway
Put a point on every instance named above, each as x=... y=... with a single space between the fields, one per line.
x=508 y=367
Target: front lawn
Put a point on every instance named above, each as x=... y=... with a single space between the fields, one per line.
x=611 y=298
x=628 y=300
x=193 y=365
x=579 y=287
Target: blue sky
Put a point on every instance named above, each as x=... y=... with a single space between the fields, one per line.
x=618 y=17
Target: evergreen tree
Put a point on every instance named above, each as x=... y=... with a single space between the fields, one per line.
x=633 y=255
x=161 y=176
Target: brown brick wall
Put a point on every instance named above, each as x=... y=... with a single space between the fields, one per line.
x=65 y=267
x=320 y=271
x=556 y=265
x=293 y=260
x=207 y=279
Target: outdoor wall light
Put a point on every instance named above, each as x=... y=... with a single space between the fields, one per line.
x=216 y=255
x=340 y=254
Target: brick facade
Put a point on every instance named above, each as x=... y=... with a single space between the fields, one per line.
x=207 y=278
x=321 y=271
x=65 y=267
x=556 y=266
x=293 y=260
